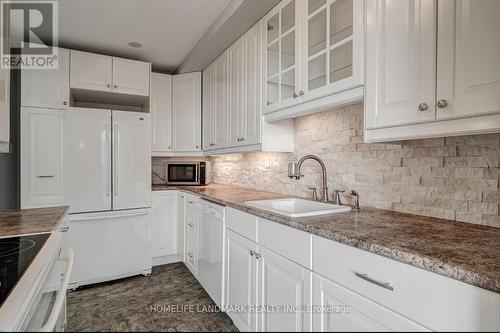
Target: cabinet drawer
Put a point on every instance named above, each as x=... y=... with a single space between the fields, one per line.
x=192 y=202
x=292 y=244
x=432 y=300
x=191 y=256
x=242 y=223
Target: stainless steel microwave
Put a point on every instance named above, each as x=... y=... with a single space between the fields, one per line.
x=187 y=173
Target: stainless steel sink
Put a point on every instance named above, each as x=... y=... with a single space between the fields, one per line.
x=295 y=207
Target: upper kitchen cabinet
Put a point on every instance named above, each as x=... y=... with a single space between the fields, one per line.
x=47 y=88
x=131 y=76
x=91 y=71
x=281 y=39
x=105 y=80
x=313 y=57
x=161 y=113
x=468 y=58
x=186 y=107
x=433 y=69
x=232 y=102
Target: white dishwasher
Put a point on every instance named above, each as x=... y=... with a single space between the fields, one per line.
x=211 y=249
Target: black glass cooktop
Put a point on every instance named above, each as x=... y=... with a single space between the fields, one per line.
x=16 y=254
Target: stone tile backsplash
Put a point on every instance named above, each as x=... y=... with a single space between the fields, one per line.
x=454 y=178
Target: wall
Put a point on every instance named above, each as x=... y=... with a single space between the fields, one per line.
x=9 y=165
x=453 y=178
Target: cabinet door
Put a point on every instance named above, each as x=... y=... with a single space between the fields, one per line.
x=208 y=107
x=164 y=232
x=186 y=106
x=282 y=56
x=345 y=311
x=131 y=76
x=283 y=283
x=4 y=110
x=90 y=71
x=401 y=66
x=468 y=53
x=221 y=67
x=236 y=94
x=47 y=88
x=241 y=274
x=332 y=37
x=161 y=112
x=42 y=157
x=252 y=90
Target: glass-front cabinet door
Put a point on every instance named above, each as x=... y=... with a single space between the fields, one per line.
x=332 y=35
x=281 y=58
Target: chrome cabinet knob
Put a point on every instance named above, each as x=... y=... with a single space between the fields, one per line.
x=108 y=85
x=295 y=95
x=115 y=86
x=65 y=103
x=423 y=107
x=442 y=103
x=301 y=93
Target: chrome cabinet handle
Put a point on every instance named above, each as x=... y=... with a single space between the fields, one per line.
x=45 y=176
x=257 y=256
x=423 y=107
x=191 y=202
x=442 y=103
x=65 y=103
x=191 y=225
x=365 y=277
x=252 y=253
x=190 y=255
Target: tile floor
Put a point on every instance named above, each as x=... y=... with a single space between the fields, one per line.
x=129 y=304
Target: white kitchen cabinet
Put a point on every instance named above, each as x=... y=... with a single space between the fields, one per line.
x=186 y=112
x=346 y=311
x=208 y=107
x=221 y=100
x=181 y=224
x=191 y=231
x=468 y=53
x=401 y=72
x=42 y=157
x=236 y=97
x=47 y=88
x=313 y=56
x=252 y=102
x=164 y=230
x=246 y=130
x=241 y=280
x=4 y=110
x=443 y=80
x=91 y=71
x=281 y=40
x=161 y=112
x=283 y=283
x=131 y=76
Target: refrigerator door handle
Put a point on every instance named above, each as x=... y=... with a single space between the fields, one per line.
x=106 y=216
x=116 y=144
x=107 y=156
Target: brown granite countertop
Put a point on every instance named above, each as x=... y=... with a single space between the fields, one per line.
x=31 y=221
x=466 y=252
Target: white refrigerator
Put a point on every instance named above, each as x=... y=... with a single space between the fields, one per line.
x=109 y=193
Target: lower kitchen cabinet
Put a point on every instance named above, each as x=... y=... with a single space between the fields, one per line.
x=341 y=310
x=191 y=232
x=164 y=230
x=42 y=157
x=241 y=279
x=288 y=286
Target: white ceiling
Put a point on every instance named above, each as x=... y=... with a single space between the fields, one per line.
x=168 y=29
